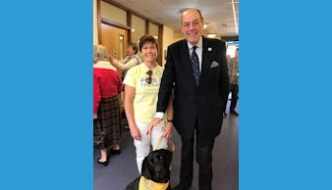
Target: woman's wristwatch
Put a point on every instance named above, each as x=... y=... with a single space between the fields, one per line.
x=170 y=120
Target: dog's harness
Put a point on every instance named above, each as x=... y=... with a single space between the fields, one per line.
x=148 y=184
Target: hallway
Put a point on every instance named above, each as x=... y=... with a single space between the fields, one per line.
x=122 y=168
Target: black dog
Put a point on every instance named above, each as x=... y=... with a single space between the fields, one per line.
x=155 y=172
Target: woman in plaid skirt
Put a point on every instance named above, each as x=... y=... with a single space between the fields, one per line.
x=107 y=85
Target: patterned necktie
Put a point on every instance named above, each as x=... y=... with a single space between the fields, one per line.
x=195 y=65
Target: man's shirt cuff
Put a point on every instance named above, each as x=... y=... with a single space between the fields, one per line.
x=159 y=115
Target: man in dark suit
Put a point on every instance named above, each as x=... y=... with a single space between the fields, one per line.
x=198 y=105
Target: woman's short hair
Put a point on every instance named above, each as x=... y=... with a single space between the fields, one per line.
x=134 y=46
x=145 y=39
x=100 y=53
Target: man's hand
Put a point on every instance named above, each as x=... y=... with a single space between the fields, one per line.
x=153 y=123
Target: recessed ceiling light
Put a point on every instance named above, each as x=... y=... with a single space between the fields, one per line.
x=211 y=35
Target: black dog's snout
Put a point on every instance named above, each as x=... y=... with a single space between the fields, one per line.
x=160 y=171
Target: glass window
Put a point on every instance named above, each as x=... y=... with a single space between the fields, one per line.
x=153 y=30
x=113 y=13
x=138 y=29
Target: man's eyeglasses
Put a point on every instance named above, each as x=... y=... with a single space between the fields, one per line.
x=149 y=79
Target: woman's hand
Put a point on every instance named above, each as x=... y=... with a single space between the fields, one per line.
x=110 y=57
x=95 y=116
x=135 y=134
x=153 y=123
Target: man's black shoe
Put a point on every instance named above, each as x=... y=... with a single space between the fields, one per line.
x=234 y=112
x=179 y=187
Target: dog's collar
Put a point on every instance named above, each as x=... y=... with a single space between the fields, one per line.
x=148 y=184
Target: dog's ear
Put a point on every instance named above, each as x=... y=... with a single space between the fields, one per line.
x=145 y=167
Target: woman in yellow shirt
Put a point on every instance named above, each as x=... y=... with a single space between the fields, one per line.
x=141 y=95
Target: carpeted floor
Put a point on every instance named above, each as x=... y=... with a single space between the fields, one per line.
x=122 y=168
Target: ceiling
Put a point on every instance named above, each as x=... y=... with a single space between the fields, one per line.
x=217 y=14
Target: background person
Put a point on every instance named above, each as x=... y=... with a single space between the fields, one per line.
x=125 y=64
x=225 y=99
x=130 y=61
x=233 y=66
x=106 y=109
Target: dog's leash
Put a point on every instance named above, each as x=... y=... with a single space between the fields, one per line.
x=148 y=184
x=169 y=142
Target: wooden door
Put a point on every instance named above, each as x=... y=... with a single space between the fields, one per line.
x=116 y=40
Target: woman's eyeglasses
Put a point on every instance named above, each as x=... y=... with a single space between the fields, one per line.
x=149 y=79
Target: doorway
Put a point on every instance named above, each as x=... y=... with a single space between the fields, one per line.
x=116 y=40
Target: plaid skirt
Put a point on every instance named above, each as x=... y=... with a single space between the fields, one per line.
x=107 y=127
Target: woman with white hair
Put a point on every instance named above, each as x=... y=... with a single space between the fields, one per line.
x=107 y=85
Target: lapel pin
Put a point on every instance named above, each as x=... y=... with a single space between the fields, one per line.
x=209 y=49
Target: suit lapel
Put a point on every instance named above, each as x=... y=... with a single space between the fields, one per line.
x=185 y=59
